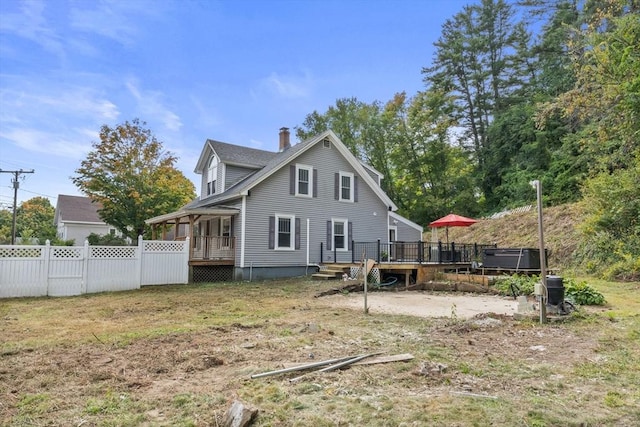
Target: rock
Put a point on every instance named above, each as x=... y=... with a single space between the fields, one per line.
x=239 y=415
x=431 y=369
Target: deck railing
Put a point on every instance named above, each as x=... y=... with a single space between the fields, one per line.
x=407 y=252
x=214 y=248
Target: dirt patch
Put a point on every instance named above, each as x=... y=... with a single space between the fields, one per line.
x=425 y=304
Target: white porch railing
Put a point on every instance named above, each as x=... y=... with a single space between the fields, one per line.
x=214 y=248
x=28 y=271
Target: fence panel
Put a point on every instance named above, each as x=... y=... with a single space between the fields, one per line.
x=164 y=262
x=65 y=270
x=23 y=271
x=113 y=268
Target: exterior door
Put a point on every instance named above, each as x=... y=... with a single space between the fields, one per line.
x=392 y=246
x=225 y=232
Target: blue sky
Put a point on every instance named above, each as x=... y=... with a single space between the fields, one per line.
x=235 y=71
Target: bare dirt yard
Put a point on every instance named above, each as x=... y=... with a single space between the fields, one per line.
x=427 y=304
x=180 y=355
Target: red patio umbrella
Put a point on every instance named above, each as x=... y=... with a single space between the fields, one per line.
x=452 y=220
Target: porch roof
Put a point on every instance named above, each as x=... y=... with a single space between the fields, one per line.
x=184 y=212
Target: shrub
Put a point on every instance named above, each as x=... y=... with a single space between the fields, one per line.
x=582 y=293
x=523 y=285
x=106 y=240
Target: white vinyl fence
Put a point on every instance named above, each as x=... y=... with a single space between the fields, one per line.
x=29 y=271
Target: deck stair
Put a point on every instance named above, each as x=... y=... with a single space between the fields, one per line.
x=329 y=273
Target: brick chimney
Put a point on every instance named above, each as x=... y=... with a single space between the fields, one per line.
x=285 y=142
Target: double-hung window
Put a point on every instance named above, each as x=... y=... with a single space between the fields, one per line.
x=212 y=175
x=346 y=186
x=284 y=233
x=340 y=234
x=304 y=180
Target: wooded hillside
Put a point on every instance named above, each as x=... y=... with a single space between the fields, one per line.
x=544 y=90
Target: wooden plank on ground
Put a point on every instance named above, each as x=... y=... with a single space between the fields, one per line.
x=385 y=359
x=370 y=361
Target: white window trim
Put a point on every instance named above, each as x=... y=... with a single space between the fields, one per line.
x=395 y=230
x=210 y=178
x=310 y=189
x=346 y=233
x=292 y=231
x=221 y=229
x=351 y=189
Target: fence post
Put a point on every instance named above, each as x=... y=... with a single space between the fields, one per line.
x=140 y=250
x=378 y=254
x=321 y=252
x=46 y=254
x=453 y=252
x=420 y=252
x=440 y=251
x=85 y=268
x=187 y=245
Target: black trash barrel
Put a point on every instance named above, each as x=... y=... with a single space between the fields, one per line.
x=555 y=290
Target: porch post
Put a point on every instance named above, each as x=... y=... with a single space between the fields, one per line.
x=192 y=235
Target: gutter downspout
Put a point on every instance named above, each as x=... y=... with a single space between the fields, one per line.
x=308 y=255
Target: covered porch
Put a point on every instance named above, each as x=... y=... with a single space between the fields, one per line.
x=210 y=231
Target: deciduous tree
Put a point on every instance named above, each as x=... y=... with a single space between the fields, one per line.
x=34 y=218
x=129 y=172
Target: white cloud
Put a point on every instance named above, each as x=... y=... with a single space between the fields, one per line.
x=24 y=101
x=47 y=142
x=207 y=117
x=31 y=24
x=151 y=106
x=289 y=86
x=114 y=19
x=38 y=116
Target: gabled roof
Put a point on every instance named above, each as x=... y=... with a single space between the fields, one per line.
x=77 y=209
x=406 y=221
x=279 y=160
x=233 y=155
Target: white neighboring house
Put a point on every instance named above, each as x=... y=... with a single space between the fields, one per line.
x=76 y=217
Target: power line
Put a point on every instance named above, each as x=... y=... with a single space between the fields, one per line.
x=39 y=194
x=16 y=185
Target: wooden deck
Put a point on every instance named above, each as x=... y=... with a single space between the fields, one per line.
x=420 y=272
x=200 y=261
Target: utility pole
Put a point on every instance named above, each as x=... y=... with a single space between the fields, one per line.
x=16 y=185
x=543 y=255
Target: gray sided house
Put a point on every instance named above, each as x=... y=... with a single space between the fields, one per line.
x=76 y=217
x=264 y=214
